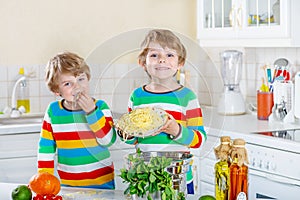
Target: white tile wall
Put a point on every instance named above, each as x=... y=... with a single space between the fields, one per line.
x=114 y=82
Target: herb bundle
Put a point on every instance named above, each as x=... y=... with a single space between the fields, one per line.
x=148 y=177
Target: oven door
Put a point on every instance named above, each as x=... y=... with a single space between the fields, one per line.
x=268 y=186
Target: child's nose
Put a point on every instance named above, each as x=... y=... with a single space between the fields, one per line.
x=162 y=59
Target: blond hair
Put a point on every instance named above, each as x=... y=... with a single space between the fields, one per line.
x=65 y=62
x=164 y=38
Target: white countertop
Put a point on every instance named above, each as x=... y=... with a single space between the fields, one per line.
x=77 y=193
x=247 y=126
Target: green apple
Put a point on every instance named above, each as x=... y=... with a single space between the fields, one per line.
x=207 y=197
x=22 y=192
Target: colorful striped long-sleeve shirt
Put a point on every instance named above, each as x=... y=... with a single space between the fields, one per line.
x=183 y=105
x=81 y=143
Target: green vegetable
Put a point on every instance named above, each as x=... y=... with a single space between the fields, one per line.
x=145 y=178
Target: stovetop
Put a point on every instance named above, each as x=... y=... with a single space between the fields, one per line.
x=293 y=135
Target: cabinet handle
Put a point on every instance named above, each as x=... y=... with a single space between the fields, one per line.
x=240 y=17
x=231 y=17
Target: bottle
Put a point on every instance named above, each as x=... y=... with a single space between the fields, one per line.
x=222 y=168
x=23 y=93
x=238 y=171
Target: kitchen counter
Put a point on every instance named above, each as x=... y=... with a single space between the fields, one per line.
x=77 y=193
x=247 y=126
x=26 y=123
x=70 y=193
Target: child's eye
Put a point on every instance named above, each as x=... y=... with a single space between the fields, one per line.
x=81 y=79
x=170 y=55
x=66 y=84
x=153 y=55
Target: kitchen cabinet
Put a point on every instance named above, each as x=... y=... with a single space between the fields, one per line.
x=249 y=23
x=18 y=157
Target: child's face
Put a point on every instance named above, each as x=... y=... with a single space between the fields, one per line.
x=69 y=86
x=161 y=63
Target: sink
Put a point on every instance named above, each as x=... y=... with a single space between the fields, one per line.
x=24 y=119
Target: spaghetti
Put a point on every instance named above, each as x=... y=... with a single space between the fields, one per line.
x=142 y=122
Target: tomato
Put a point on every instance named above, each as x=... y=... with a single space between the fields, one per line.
x=58 y=197
x=38 y=197
x=49 y=197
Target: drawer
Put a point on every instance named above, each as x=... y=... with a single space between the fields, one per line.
x=19 y=145
x=17 y=170
x=207 y=171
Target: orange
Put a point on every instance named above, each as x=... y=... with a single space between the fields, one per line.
x=44 y=183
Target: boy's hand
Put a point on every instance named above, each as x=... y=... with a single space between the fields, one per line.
x=86 y=102
x=171 y=127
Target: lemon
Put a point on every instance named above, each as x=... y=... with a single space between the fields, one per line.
x=22 y=192
x=207 y=197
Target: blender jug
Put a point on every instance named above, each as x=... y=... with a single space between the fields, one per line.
x=231 y=101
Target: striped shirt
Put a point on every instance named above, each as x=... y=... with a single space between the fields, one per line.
x=81 y=143
x=183 y=105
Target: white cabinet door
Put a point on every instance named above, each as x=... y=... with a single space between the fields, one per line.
x=18 y=157
x=17 y=170
x=18 y=145
x=247 y=23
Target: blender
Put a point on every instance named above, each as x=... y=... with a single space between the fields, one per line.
x=231 y=101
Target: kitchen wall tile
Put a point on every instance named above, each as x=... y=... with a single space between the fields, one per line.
x=120 y=70
x=136 y=71
x=44 y=102
x=107 y=86
x=44 y=90
x=97 y=70
x=4 y=89
x=120 y=103
x=4 y=74
x=122 y=86
x=269 y=56
x=3 y=104
x=250 y=56
x=102 y=71
x=35 y=104
x=34 y=88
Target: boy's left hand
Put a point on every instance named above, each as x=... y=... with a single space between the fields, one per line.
x=86 y=102
x=171 y=127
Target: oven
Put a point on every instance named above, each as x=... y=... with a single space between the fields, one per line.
x=273 y=173
x=264 y=186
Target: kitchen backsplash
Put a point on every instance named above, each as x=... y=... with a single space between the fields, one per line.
x=114 y=82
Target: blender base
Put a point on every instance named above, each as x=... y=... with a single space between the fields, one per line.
x=231 y=103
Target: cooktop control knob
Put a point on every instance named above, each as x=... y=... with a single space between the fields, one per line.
x=267 y=165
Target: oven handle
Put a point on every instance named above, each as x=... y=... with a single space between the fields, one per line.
x=276 y=178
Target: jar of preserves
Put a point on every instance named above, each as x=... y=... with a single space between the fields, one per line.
x=238 y=171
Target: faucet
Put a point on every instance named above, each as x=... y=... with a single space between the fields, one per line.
x=15 y=112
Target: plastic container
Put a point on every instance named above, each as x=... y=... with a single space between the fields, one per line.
x=23 y=93
x=265 y=104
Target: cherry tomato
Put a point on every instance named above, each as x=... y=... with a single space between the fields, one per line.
x=38 y=197
x=58 y=197
x=49 y=197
